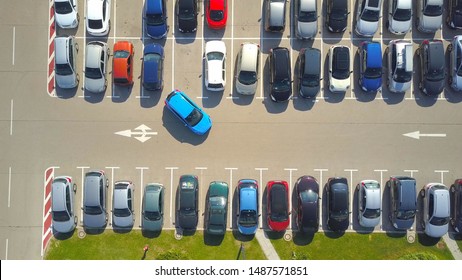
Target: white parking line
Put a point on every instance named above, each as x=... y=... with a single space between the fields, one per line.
x=232 y=47
x=112 y=189
x=171 y=191
x=229 y=194
x=173 y=47
x=202 y=51
x=83 y=181
x=411 y=171
x=382 y=190
x=260 y=194
x=9 y=186
x=141 y=189
x=6 y=249
x=442 y=174
x=351 y=194
x=84 y=48
x=291 y=170
x=14 y=43
x=200 y=180
x=115 y=20
x=321 y=184
x=262 y=32
x=11 y=117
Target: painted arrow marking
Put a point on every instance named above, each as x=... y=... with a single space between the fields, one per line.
x=143 y=131
x=417 y=135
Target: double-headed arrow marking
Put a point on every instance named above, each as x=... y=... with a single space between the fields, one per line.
x=143 y=131
x=417 y=134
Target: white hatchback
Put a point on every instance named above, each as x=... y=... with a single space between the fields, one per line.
x=215 y=65
x=339 y=68
x=98 y=17
x=66 y=13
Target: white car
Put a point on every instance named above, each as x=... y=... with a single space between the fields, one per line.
x=98 y=17
x=455 y=63
x=66 y=49
x=369 y=203
x=215 y=65
x=399 y=16
x=368 y=16
x=436 y=207
x=339 y=68
x=400 y=65
x=247 y=68
x=306 y=13
x=96 y=58
x=66 y=15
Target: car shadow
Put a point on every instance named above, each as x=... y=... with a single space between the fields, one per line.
x=120 y=94
x=150 y=234
x=64 y=93
x=92 y=97
x=302 y=239
x=63 y=236
x=213 y=240
x=122 y=230
x=241 y=237
x=180 y=131
x=94 y=231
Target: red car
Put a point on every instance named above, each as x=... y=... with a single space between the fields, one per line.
x=277 y=205
x=216 y=13
x=122 y=63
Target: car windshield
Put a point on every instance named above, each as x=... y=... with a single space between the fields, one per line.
x=152 y=216
x=95 y=23
x=93 y=73
x=371 y=213
x=124 y=212
x=402 y=14
x=154 y=19
x=340 y=215
x=310 y=80
x=152 y=57
x=307 y=16
x=186 y=14
x=216 y=15
x=339 y=14
x=459 y=71
x=248 y=218
x=283 y=85
x=194 y=117
x=215 y=56
x=247 y=77
x=121 y=54
x=93 y=210
x=372 y=16
x=63 y=7
x=435 y=75
x=437 y=221
x=309 y=196
x=217 y=201
x=433 y=10
x=279 y=217
x=405 y=215
x=60 y=216
x=63 y=69
x=402 y=76
x=373 y=73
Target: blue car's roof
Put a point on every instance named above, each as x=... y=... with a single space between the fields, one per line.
x=374 y=55
x=151 y=67
x=179 y=103
x=154 y=6
x=248 y=198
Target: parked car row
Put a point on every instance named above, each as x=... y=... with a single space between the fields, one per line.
x=441 y=205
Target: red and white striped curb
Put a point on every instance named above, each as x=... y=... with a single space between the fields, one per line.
x=47 y=230
x=51 y=51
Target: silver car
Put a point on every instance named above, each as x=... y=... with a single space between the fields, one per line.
x=455 y=63
x=95 y=200
x=275 y=15
x=66 y=13
x=66 y=49
x=369 y=205
x=429 y=15
x=153 y=207
x=367 y=17
x=248 y=61
x=122 y=205
x=63 y=215
x=306 y=16
x=96 y=58
x=399 y=16
x=400 y=65
x=435 y=216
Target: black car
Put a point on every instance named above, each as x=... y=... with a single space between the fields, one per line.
x=187 y=211
x=186 y=15
x=337 y=15
x=403 y=202
x=338 y=204
x=281 y=76
x=309 y=72
x=432 y=72
x=308 y=204
x=454 y=19
x=456 y=205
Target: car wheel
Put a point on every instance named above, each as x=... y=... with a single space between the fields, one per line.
x=75 y=220
x=450 y=48
x=453 y=189
x=357 y=188
x=107 y=183
x=449 y=79
x=422 y=193
x=420 y=86
x=76 y=47
x=74 y=188
x=387 y=50
x=417 y=52
x=388 y=83
x=77 y=77
x=422 y=224
x=417 y=23
x=78 y=18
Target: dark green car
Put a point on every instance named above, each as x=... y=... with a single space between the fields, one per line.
x=153 y=208
x=217 y=208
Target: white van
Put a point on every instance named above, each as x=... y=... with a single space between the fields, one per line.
x=248 y=61
x=66 y=49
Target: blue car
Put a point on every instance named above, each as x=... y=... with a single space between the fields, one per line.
x=370 y=66
x=153 y=67
x=247 y=220
x=188 y=112
x=155 y=17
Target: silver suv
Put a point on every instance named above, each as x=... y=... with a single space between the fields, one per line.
x=435 y=216
x=399 y=16
x=95 y=200
x=400 y=65
x=275 y=15
x=63 y=191
x=122 y=204
x=96 y=58
x=66 y=49
x=429 y=15
x=367 y=17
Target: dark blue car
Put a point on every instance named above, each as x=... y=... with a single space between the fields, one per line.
x=155 y=18
x=153 y=67
x=188 y=112
x=370 y=66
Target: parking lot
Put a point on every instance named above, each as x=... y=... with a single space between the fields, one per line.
x=356 y=135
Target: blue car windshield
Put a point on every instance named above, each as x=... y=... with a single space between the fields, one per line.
x=194 y=117
x=248 y=218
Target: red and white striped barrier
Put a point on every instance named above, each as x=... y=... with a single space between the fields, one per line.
x=51 y=51
x=47 y=231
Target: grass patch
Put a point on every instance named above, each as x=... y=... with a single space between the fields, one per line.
x=353 y=246
x=129 y=246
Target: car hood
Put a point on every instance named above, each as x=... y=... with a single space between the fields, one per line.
x=339 y=85
x=124 y=222
x=433 y=87
x=247 y=230
x=66 y=20
x=95 y=85
x=338 y=225
x=94 y=221
x=367 y=28
x=245 y=89
x=399 y=87
x=187 y=25
x=309 y=91
x=370 y=223
x=431 y=24
x=156 y=31
x=307 y=29
x=203 y=126
x=64 y=227
x=399 y=27
x=403 y=224
x=436 y=231
x=372 y=84
x=67 y=81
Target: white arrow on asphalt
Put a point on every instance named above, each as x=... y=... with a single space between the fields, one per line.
x=143 y=131
x=417 y=135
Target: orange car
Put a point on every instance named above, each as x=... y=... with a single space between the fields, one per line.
x=122 y=63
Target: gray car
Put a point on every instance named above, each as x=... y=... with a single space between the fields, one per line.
x=309 y=72
x=429 y=15
x=66 y=49
x=63 y=215
x=96 y=58
x=153 y=207
x=275 y=15
x=95 y=200
x=435 y=216
x=403 y=202
x=369 y=203
x=306 y=16
x=122 y=205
